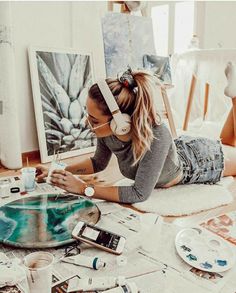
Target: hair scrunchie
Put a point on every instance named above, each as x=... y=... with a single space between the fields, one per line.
x=127 y=79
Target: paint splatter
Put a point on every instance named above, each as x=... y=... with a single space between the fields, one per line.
x=191 y=257
x=185 y=248
x=206 y=265
x=221 y=262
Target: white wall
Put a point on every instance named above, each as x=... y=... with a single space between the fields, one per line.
x=77 y=25
x=51 y=24
x=220 y=23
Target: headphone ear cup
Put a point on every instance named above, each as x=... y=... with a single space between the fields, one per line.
x=121 y=128
x=113 y=126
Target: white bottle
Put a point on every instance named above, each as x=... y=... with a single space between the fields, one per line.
x=127 y=288
x=194 y=42
x=95 y=284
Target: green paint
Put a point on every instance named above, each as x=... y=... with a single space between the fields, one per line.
x=44 y=220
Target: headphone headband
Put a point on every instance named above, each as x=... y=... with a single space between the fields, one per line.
x=108 y=96
x=121 y=122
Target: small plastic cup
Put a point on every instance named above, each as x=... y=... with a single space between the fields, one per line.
x=55 y=165
x=28 y=178
x=38 y=267
x=4 y=189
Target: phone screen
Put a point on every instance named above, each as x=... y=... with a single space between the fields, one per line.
x=103 y=238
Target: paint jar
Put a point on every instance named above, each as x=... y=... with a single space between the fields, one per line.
x=38 y=267
x=28 y=178
x=127 y=288
x=4 y=188
x=194 y=42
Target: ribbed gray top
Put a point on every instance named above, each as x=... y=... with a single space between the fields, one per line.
x=158 y=167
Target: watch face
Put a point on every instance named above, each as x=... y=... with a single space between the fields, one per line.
x=89 y=191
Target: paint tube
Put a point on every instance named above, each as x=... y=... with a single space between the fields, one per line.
x=85 y=261
x=95 y=284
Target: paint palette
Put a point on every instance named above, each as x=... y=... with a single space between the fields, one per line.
x=204 y=251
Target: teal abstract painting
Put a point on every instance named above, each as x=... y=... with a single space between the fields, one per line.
x=44 y=220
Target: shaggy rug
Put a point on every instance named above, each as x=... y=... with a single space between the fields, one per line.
x=182 y=200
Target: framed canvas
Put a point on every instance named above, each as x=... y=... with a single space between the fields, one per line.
x=60 y=82
x=126 y=39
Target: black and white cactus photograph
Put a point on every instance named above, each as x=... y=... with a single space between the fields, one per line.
x=61 y=88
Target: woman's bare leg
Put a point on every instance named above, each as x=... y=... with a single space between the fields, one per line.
x=229 y=160
x=228 y=133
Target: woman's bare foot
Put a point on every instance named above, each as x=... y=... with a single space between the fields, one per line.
x=230 y=73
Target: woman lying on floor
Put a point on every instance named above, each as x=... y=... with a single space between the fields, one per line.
x=143 y=145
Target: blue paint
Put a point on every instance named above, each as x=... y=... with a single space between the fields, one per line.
x=191 y=257
x=221 y=262
x=206 y=265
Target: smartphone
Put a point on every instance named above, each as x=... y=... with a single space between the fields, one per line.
x=99 y=237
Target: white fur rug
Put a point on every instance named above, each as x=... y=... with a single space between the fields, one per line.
x=182 y=200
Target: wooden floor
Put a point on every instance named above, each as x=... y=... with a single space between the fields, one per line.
x=112 y=174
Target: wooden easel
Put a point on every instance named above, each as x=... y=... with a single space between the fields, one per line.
x=206 y=100
x=190 y=101
x=168 y=110
x=123 y=7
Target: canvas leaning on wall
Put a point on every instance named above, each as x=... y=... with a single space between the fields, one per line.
x=126 y=39
x=60 y=83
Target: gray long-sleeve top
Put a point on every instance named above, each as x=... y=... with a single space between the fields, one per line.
x=158 y=166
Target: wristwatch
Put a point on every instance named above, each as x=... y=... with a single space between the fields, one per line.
x=89 y=190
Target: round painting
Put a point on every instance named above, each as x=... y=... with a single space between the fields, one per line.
x=45 y=220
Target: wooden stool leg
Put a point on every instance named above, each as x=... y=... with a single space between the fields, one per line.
x=206 y=99
x=189 y=102
x=124 y=9
x=110 y=5
x=144 y=12
x=169 y=112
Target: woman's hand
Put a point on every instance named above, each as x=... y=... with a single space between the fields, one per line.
x=41 y=172
x=66 y=180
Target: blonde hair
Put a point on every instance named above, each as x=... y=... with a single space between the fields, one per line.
x=139 y=104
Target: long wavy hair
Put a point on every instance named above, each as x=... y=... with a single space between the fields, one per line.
x=138 y=103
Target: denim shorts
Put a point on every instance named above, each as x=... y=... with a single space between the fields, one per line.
x=202 y=159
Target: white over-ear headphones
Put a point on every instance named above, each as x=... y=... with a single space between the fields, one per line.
x=121 y=122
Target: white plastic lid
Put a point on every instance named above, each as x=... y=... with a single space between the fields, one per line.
x=132 y=287
x=121 y=260
x=121 y=281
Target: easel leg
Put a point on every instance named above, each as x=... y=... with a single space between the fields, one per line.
x=144 y=12
x=110 y=5
x=206 y=98
x=169 y=113
x=123 y=7
x=190 y=101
